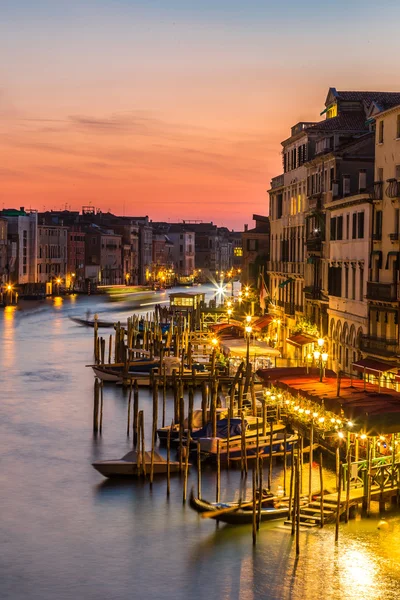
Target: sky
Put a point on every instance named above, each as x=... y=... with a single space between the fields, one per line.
x=173 y=109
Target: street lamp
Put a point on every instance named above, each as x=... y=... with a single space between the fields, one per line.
x=248 y=330
x=214 y=342
x=321 y=359
x=248 y=319
x=229 y=311
x=58 y=282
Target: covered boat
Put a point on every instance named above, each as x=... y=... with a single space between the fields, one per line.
x=130 y=465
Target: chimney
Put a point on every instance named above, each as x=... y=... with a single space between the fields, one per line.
x=22 y=208
x=246 y=227
x=362 y=180
x=346 y=185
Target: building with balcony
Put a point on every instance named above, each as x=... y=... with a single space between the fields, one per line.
x=349 y=229
x=382 y=290
x=323 y=162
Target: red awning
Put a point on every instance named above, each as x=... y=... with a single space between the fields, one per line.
x=262 y=322
x=373 y=366
x=216 y=327
x=300 y=339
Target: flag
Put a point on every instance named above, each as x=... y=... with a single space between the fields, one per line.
x=285 y=283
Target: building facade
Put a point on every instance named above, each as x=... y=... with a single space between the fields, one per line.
x=382 y=293
x=52 y=255
x=256 y=250
x=22 y=226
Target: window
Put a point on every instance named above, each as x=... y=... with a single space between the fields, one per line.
x=346 y=282
x=335 y=281
x=238 y=251
x=348 y=226
x=361 y=290
x=353 y=283
x=360 y=225
x=380 y=174
x=279 y=206
x=380 y=135
x=378 y=225
x=339 y=229
x=354 y=229
x=397 y=172
x=252 y=245
x=398 y=127
x=333 y=228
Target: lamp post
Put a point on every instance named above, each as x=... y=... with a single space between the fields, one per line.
x=229 y=311
x=248 y=330
x=321 y=359
x=58 y=282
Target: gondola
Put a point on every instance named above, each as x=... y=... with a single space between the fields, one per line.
x=235 y=515
x=90 y=323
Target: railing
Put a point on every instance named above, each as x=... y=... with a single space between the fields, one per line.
x=289 y=308
x=394 y=236
x=315 y=202
x=377 y=237
x=378 y=345
x=277 y=181
x=312 y=293
x=314 y=244
x=393 y=189
x=381 y=291
x=377 y=190
x=384 y=473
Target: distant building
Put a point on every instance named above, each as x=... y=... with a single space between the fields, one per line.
x=255 y=244
x=103 y=256
x=22 y=247
x=76 y=257
x=4 y=273
x=52 y=253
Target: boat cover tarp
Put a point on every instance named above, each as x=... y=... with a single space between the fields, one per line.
x=222 y=429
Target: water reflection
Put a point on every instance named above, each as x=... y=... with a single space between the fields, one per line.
x=65 y=532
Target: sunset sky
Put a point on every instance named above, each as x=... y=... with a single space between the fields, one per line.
x=173 y=108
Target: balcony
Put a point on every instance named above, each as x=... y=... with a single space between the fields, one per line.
x=382 y=291
x=314 y=243
x=289 y=308
x=394 y=236
x=377 y=237
x=377 y=191
x=315 y=201
x=379 y=345
x=393 y=188
x=312 y=293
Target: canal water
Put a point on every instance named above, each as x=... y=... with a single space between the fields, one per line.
x=67 y=533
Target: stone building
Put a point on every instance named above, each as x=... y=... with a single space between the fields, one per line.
x=52 y=255
x=256 y=249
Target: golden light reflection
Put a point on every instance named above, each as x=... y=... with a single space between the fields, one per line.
x=58 y=301
x=9 y=337
x=358 y=570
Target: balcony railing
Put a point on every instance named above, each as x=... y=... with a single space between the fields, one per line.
x=377 y=237
x=379 y=345
x=315 y=202
x=314 y=244
x=393 y=188
x=289 y=308
x=381 y=291
x=312 y=293
x=377 y=190
x=394 y=236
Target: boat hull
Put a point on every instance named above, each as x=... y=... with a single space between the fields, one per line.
x=128 y=466
x=238 y=516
